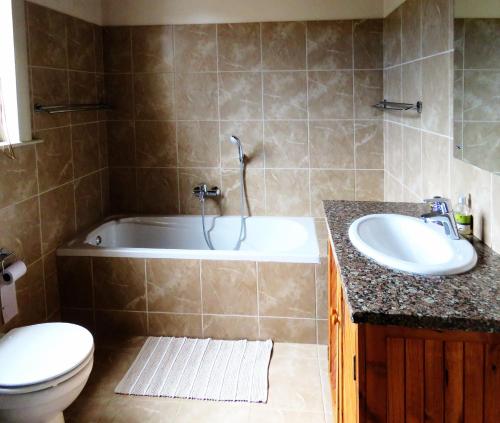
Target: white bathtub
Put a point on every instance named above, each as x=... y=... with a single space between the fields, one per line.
x=276 y=239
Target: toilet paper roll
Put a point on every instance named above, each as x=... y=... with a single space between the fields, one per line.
x=13 y=272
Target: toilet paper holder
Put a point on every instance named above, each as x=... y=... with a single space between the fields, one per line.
x=6 y=258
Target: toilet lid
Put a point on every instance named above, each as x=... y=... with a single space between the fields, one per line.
x=35 y=354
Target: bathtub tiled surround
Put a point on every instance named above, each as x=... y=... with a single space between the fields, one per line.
x=59 y=186
x=198 y=298
x=298 y=94
x=419 y=149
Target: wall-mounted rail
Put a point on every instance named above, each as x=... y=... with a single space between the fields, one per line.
x=64 y=108
x=391 y=105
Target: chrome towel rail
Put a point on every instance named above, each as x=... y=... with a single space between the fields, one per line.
x=391 y=105
x=64 y=108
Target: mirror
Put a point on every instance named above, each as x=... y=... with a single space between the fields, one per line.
x=477 y=83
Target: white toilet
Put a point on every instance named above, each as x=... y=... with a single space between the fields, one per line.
x=43 y=369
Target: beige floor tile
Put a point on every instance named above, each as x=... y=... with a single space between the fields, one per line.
x=294 y=384
x=262 y=414
x=286 y=350
x=139 y=409
x=217 y=412
x=323 y=352
x=325 y=386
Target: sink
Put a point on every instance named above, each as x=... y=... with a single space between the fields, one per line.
x=411 y=245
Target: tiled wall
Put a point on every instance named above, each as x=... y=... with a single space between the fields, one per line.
x=418 y=64
x=298 y=94
x=220 y=299
x=57 y=187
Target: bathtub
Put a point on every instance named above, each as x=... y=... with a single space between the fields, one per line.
x=271 y=239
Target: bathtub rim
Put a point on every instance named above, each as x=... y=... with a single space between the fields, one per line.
x=77 y=247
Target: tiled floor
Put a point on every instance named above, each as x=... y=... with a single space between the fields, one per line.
x=299 y=392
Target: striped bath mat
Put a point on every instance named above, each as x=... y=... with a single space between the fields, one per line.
x=200 y=369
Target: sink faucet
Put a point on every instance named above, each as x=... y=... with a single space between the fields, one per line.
x=202 y=191
x=442 y=215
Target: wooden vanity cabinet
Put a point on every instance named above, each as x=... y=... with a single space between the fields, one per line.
x=398 y=374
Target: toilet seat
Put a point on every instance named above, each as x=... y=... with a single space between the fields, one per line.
x=40 y=356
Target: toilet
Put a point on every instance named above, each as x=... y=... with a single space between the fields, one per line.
x=43 y=369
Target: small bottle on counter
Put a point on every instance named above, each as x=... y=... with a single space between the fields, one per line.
x=463 y=217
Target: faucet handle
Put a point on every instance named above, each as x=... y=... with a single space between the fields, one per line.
x=439 y=204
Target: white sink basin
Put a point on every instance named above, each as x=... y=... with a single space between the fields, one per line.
x=411 y=245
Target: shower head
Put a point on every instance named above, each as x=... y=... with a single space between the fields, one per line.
x=236 y=141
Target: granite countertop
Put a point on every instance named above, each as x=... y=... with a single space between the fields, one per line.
x=378 y=295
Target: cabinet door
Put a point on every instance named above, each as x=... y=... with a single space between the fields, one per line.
x=350 y=367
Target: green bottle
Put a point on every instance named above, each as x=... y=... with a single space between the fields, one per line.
x=463 y=217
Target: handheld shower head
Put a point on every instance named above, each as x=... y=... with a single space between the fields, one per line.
x=236 y=141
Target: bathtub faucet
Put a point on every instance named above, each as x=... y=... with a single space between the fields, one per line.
x=202 y=191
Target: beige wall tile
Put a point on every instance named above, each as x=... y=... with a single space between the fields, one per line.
x=239 y=46
x=330 y=94
x=81 y=47
x=369 y=144
x=412 y=160
x=240 y=95
x=88 y=201
x=54 y=160
x=155 y=144
x=120 y=323
x=153 y=48
x=20 y=230
x=119 y=283
x=47 y=36
x=369 y=185
x=288 y=330
x=198 y=144
x=392 y=38
x=393 y=189
x=332 y=144
x=230 y=327
x=411 y=75
x=157 y=191
x=285 y=144
x=195 y=48
x=82 y=317
x=121 y=145
x=482 y=39
x=196 y=96
x=278 y=200
x=122 y=190
x=154 y=96
x=393 y=91
x=322 y=327
x=119 y=91
x=435 y=165
x=367 y=35
x=75 y=282
x=436 y=73
x=495 y=207
x=57 y=209
x=285 y=95
x=368 y=90
x=321 y=272
x=480 y=101
x=23 y=168
x=329 y=45
x=174 y=285
x=285 y=45
x=330 y=185
x=393 y=137
x=287 y=290
x=117 y=49
x=436 y=21
x=85 y=148
x=411 y=41
x=229 y=287
x=254 y=190
x=251 y=136
x=161 y=324
x=83 y=90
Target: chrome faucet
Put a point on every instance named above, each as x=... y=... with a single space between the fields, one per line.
x=442 y=215
x=202 y=191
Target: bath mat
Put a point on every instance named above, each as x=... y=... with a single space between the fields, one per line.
x=200 y=369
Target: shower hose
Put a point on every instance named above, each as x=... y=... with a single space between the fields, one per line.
x=242 y=213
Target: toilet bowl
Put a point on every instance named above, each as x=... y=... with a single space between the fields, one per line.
x=43 y=369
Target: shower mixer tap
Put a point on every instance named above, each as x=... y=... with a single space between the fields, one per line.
x=202 y=191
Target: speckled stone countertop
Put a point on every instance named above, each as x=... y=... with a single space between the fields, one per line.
x=378 y=295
